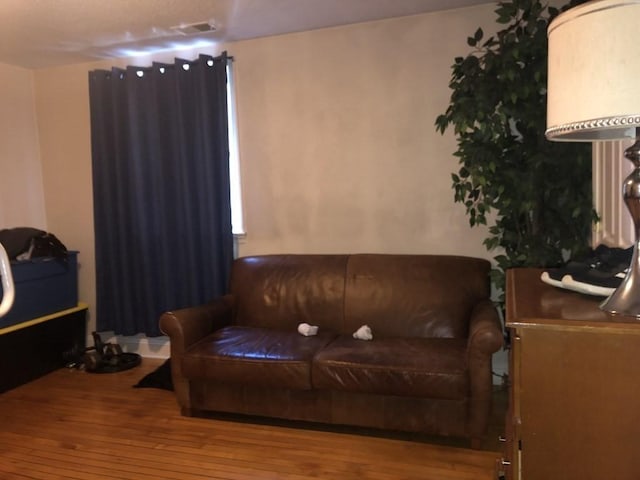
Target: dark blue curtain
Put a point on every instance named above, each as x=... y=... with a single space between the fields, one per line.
x=162 y=210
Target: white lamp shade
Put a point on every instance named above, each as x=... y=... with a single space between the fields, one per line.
x=594 y=72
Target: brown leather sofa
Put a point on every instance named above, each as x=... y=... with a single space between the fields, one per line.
x=427 y=369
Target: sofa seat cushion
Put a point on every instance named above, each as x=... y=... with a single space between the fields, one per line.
x=420 y=367
x=254 y=356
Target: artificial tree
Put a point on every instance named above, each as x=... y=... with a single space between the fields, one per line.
x=536 y=194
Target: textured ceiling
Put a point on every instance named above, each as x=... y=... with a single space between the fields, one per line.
x=45 y=33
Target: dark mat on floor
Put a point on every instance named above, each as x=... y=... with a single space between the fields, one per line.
x=159 y=378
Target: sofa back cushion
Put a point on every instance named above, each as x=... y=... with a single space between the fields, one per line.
x=414 y=295
x=282 y=291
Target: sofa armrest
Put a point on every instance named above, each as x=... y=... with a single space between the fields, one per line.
x=485 y=329
x=485 y=338
x=184 y=328
x=188 y=325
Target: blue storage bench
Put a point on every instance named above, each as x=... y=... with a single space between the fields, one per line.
x=43 y=286
x=31 y=349
x=46 y=322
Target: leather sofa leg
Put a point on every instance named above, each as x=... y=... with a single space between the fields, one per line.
x=188 y=412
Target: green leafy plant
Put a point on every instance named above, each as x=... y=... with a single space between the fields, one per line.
x=536 y=194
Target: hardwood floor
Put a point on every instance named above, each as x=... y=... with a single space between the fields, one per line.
x=75 y=425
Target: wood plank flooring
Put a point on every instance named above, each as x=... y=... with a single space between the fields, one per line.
x=75 y=425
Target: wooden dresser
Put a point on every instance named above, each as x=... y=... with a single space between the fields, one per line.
x=574 y=407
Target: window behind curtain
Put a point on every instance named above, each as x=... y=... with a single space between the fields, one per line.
x=237 y=219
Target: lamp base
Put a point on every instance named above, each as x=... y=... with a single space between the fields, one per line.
x=625 y=300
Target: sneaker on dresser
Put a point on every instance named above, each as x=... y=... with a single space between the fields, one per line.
x=554 y=276
x=594 y=282
x=598 y=274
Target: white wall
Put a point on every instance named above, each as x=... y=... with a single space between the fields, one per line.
x=338 y=147
x=337 y=141
x=21 y=189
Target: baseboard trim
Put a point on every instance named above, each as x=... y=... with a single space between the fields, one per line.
x=148 y=347
x=500 y=365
